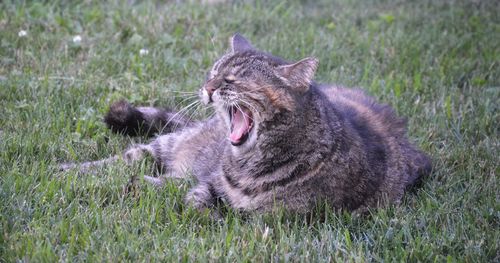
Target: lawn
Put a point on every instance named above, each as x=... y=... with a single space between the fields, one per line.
x=62 y=64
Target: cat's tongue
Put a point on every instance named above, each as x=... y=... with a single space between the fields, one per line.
x=240 y=125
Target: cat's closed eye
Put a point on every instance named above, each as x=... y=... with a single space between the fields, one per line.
x=229 y=79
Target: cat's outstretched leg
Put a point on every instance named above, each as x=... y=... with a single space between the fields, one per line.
x=123 y=117
x=131 y=155
x=134 y=153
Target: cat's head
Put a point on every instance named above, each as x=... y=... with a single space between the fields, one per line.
x=248 y=87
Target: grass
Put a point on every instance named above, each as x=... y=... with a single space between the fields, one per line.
x=436 y=62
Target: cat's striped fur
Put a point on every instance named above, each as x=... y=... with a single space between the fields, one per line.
x=278 y=138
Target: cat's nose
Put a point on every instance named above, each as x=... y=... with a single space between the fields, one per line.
x=210 y=87
x=210 y=90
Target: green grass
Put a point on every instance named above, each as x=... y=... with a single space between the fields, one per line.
x=436 y=62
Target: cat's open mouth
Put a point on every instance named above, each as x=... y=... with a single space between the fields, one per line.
x=241 y=124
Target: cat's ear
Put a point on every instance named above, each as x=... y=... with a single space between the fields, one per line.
x=239 y=43
x=299 y=75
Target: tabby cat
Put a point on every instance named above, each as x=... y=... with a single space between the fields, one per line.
x=278 y=139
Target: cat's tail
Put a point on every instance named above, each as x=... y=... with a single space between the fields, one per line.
x=123 y=117
x=420 y=167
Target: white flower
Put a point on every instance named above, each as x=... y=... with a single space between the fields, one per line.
x=266 y=233
x=143 y=52
x=77 y=39
x=22 y=33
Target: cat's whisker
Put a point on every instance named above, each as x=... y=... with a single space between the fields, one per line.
x=185 y=100
x=193 y=112
x=247 y=104
x=211 y=115
x=190 y=106
x=187 y=97
x=180 y=112
x=253 y=92
x=183 y=92
x=243 y=112
x=184 y=96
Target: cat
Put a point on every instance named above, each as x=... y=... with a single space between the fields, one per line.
x=278 y=139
